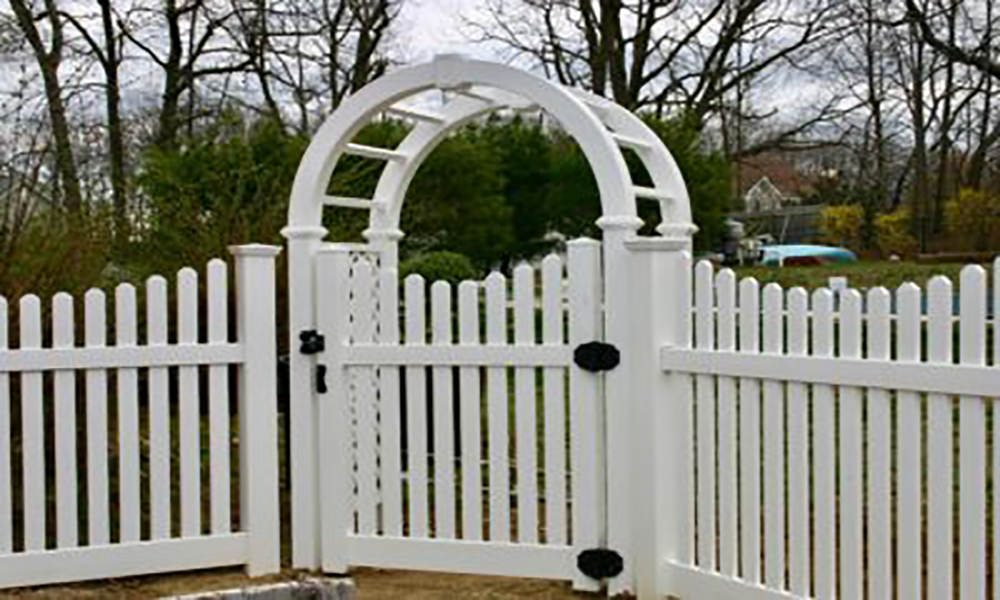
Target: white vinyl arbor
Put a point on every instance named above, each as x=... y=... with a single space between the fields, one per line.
x=476 y=88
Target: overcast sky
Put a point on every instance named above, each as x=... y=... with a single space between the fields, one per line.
x=429 y=27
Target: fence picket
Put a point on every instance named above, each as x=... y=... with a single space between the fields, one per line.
x=416 y=408
x=824 y=453
x=774 y=444
x=189 y=406
x=390 y=407
x=940 y=584
x=128 y=418
x=555 y=404
x=850 y=464
x=470 y=407
x=32 y=430
x=159 y=412
x=496 y=382
x=704 y=299
x=65 y=426
x=363 y=329
x=972 y=439
x=95 y=336
x=750 y=498
x=798 y=449
x=218 y=400
x=908 y=426
x=879 y=512
x=444 y=412
x=725 y=283
x=6 y=492
x=526 y=408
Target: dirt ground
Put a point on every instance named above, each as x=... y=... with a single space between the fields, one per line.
x=372 y=585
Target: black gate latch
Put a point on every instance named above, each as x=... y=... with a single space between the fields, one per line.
x=596 y=356
x=321 y=379
x=313 y=342
x=600 y=563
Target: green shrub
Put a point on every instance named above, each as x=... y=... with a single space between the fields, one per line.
x=440 y=266
x=52 y=251
x=973 y=217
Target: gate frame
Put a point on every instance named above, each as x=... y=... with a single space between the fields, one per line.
x=599 y=126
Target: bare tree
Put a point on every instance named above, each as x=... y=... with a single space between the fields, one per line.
x=313 y=52
x=195 y=49
x=49 y=58
x=660 y=54
x=106 y=48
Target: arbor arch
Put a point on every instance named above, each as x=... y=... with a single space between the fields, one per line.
x=600 y=127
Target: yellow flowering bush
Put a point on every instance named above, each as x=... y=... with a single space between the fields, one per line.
x=842 y=224
x=973 y=218
x=893 y=233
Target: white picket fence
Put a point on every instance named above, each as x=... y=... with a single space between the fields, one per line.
x=823 y=458
x=118 y=516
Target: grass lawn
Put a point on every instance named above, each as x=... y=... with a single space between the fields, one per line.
x=864 y=274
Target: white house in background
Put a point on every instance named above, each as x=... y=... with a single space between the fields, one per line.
x=764 y=196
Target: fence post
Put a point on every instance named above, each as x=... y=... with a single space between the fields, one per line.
x=258 y=394
x=302 y=401
x=335 y=484
x=660 y=418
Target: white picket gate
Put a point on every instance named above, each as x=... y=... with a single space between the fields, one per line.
x=116 y=518
x=453 y=450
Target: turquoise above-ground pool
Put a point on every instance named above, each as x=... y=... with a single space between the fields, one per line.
x=805 y=254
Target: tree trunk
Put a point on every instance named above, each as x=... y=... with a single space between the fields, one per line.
x=116 y=130
x=48 y=63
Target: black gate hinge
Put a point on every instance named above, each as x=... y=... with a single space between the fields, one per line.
x=596 y=356
x=313 y=342
x=600 y=563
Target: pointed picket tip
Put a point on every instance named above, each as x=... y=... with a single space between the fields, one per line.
x=29 y=302
x=972 y=274
x=414 y=279
x=94 y=295
x=879 y=296
x=523 y=269
x=725 y=275
x=583 y=241
x=62 y=297
x=938 y=282
x=798 y=296
x=552 y=260
x=440 y=287
x=187 y=275
x=495 y=277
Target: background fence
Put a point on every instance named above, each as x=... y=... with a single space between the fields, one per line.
x=115 y=455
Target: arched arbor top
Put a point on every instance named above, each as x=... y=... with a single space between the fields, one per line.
x=601 y=128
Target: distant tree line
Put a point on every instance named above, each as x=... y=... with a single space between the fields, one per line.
x=115 y=114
